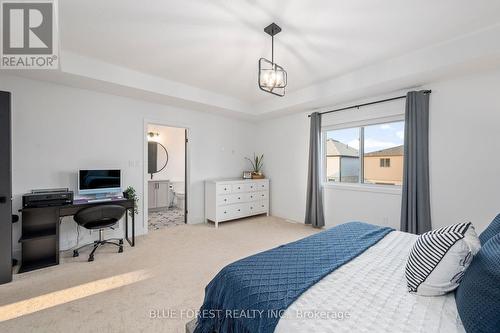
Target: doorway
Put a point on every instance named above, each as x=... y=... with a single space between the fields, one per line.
x=165 y=180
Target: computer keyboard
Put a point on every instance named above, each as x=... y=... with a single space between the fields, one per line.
x=100 y=200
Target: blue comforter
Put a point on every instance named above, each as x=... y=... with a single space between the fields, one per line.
x=249 y=295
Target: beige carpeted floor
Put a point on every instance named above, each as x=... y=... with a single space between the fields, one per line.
x=153 y=287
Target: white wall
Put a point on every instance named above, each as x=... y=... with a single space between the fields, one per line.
x=173 y=139
x=348 y=203
x=465 y=164
x=57 y=130
x=285 y=145
x=465 y=150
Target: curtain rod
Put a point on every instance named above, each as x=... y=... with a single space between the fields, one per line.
x=370 y=103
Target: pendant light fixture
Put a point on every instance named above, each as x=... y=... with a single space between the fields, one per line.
x=272 y=77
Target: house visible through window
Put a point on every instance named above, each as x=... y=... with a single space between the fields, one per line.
x=342 y=156
x=367 y=154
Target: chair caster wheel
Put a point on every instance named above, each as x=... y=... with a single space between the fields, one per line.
x=120 y=242
x=120 y=249
x=75 y=253
x=91 y=258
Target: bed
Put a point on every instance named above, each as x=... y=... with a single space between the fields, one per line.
x=365 y=292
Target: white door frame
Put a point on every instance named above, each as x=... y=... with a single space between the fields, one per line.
x=145 y=175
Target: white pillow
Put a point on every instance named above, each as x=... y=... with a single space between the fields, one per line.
x=439 y=259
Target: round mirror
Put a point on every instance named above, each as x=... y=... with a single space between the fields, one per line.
x=157 y=157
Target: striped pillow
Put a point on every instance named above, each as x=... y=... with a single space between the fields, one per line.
x=439 y=259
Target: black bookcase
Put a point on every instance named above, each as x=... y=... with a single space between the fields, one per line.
x=40 y=238
x=5 y=189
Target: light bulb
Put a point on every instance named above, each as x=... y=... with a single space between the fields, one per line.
x=272 y=78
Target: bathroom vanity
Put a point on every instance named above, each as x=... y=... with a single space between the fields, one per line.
x=158 y=194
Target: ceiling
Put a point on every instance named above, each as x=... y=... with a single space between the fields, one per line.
x=215 y=45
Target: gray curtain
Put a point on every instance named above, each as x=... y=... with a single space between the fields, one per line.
x=416 y=207
x=314 y=203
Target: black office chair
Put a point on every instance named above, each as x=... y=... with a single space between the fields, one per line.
x=99 y=218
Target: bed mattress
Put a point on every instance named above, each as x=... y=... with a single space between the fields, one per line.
x=369 y=294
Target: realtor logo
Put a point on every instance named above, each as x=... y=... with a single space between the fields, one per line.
x=29 y=35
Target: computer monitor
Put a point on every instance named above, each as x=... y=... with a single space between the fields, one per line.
x=99 y=182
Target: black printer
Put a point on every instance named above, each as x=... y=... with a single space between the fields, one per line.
x=48 y=197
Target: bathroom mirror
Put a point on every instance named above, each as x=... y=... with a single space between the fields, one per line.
x=157 y=157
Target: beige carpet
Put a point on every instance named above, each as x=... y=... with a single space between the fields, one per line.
x=165 y=272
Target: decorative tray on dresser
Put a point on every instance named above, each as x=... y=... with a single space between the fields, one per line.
x=229 y=199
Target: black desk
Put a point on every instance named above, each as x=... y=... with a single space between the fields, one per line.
x=40 y=231
x=70 y=210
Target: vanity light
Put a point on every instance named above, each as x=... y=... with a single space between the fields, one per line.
x=151 y=135
x=272 y=77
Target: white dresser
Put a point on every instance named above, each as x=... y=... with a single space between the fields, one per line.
x=229 y=199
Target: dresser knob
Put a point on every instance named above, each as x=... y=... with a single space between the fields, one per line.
x=238 y=210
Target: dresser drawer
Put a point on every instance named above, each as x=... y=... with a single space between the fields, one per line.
x=254 y=207
x=261 y=186
x=252 y=186
x=232 y=211
x=262 y=206
x=231 y=199
x=239 y=188
x=223 y=200
x=240 y=210
x=252 y=196
x=225 y=213
x=261 y=195
x=223 y=189
x=257 y=207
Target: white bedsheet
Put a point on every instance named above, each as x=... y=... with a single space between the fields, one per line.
x=371 y=291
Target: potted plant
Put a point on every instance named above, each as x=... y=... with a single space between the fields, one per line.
x=130 y=193
x=257 y=164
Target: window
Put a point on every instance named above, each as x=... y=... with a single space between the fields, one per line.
x=385 y=162
x=370 y=154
